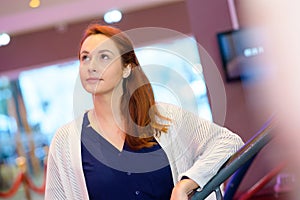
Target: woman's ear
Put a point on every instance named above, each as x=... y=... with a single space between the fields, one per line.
x=127 y=71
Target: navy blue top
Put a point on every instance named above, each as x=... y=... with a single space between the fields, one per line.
x=127 y=174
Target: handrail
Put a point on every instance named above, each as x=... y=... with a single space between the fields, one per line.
x=237 y=160
x=236 y=179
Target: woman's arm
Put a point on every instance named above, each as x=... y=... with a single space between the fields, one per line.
x=200 y=148
x=211 y=146
x=183 y=189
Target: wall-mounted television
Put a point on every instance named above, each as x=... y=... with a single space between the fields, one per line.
x=241 y=51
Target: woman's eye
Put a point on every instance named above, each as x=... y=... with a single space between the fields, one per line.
x=104 y=56
x=85 y=58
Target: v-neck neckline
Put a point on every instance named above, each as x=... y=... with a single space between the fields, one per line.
x=101 y=137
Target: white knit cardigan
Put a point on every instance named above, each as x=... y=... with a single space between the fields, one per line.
x=195 y=147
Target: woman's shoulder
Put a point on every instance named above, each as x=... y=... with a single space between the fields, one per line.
x=176 y=112
x=70 y=129
x=167 y=108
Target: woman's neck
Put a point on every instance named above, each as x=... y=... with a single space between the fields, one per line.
x=105 y=118
x=107 y=106
x=107 y=112
x=107 y=109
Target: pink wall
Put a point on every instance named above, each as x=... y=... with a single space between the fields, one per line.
x=207 y=18
x=48 y=46
x=40 y=48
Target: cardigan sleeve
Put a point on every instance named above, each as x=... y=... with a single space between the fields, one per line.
x=54 y=188
x=208 y=146
x=65 y=178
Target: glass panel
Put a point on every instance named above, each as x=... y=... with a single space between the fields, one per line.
x=173 y=67
x=48 y=96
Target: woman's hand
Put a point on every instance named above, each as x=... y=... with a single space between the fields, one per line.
x=183 y=188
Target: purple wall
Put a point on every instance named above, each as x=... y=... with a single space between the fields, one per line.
x=50 y=45
x=207 y=18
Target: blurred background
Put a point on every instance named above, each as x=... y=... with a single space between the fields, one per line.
x=245 y=53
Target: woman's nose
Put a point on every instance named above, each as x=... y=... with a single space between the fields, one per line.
x=92 y=69
x=92 y=66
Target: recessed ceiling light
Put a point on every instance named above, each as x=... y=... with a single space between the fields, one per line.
x=34 y=3
x=112 y=16
x=4 y=39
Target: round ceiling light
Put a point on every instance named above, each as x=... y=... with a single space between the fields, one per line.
x=4 y=39
x=34 y=3
x=112 y=16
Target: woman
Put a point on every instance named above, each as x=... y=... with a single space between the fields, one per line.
x=127 y=146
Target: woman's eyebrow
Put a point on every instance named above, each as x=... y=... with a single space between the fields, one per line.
x=100 y=51
x=84 y=52
x=106 y=50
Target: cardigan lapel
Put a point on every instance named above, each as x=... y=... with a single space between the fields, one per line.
x=75 y=153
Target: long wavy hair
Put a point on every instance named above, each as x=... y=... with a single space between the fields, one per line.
x=137 y=101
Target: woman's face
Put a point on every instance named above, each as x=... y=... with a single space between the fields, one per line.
x=100 y=65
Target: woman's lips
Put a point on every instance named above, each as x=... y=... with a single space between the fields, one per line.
x=93 y=80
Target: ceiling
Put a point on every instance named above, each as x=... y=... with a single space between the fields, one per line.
x=16 y=17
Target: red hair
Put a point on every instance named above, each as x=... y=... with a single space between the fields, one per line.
x=137 y=102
